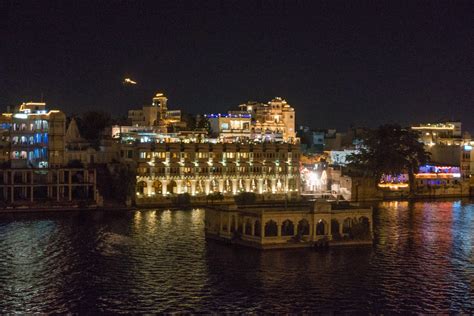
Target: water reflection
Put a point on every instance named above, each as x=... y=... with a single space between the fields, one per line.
x=158 y=261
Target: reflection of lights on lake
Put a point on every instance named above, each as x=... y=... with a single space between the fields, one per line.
x=151 y=220
x=196 y=215
x=166 y=217
x=137 y=218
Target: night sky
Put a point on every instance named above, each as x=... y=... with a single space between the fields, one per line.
x=339 y=63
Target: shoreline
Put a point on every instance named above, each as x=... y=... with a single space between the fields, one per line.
x=123 y=208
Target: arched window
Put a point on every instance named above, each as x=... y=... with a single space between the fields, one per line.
x=232 y=224
x=257 y=229
x=287 y=228
x=141 y=187
x=346 y=228
x=320 y=228
x=334 y=227
x=158 y=187
x=248 y=227
x=171 y=187
x=303 y=227
x=271 y=229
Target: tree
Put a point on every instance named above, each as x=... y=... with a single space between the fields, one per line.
x=190 y=121
x=92 y=123
x=390 y=150
x=203 y=124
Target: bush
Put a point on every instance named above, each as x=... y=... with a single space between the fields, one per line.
x=245 y=198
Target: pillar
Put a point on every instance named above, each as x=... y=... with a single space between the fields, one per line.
x=247 y=185
x=260 y=186
x=193 y=187
x=57 y=185
x=221 y=185
x=32 y=187
x=179 y=186
x=70 y=185
x=164 y=187
x=234 y=186
x=273 y=185
x=279 y=229
x=94 y=178
x=12 y=191
x=207 y=186
x=149 y=187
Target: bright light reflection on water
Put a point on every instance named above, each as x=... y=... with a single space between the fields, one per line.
x=149 y=261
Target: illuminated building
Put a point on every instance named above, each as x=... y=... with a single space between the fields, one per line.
x=33 y=144
x=448 y=133
x=467 y=159
x=203 y=168
x=277 y=226
x=230 y=126
x=274 y=120
x=156 y=114
x=34 y=136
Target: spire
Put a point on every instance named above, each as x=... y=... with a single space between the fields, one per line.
x=72 y=133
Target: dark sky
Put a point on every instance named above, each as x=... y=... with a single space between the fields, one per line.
x=339 y=63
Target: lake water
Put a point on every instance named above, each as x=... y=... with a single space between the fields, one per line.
x=158 y=261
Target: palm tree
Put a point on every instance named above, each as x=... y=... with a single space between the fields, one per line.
x=390 y=150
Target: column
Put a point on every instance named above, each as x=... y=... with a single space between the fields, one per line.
x=164 y=187
x=221 y=186
x=279 y=230
x=247 y=185
x=95 y=184
x=70 y=185
x=341 y=225
x=273 y=185
x=207 y=186
x=149 y=187
x=179 y=188
x=234 y=186
x=32 y=187
x=57 y=186
x=260 y=186
x=12 y=183
x=193 y=187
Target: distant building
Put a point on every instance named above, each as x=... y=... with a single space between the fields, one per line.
x=275 y=119
x=448 y=133
x=32 y=136
x=32 y=147
x=230 y=126
x=157 y=114
x=203 y=168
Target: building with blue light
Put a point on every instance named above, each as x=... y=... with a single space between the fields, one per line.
x=32 y=136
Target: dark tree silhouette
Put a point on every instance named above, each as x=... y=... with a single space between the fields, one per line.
x=390 y=150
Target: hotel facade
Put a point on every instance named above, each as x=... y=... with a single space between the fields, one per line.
x=200 y=169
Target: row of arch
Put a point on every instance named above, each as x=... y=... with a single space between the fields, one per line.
x=200 y=186
x=349 y=226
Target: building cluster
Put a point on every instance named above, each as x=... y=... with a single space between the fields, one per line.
x=251 y=149
x=32 y=155
x=326 y=151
